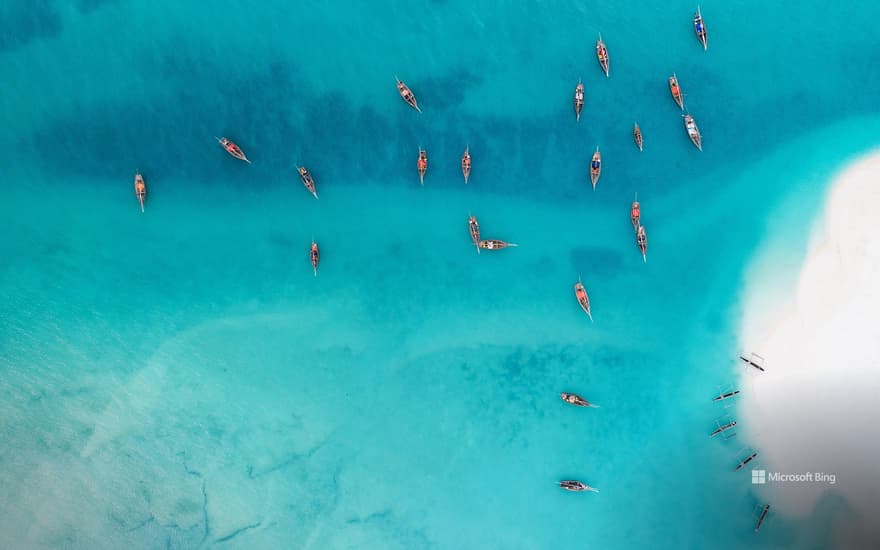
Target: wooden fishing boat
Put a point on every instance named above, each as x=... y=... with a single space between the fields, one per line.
x=140 y=190
x=693 y=132
x=595 y=167
x=466 y=164
x=576 y=400
x=307 y=180
x=576 y=486
x=675 y=90
x=579 y=99
x=635 y=213
x=642 y=241
x=233 y=149
x=407 y=95
x=602 y=54
x=315 y=257
x=581 y=294
x=637 y=135
x=474 y=228
x=422 y=165
x=494 y=244
x=700 y=29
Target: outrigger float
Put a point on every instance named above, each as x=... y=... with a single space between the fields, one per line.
x=307 y=180
x=595 y=167
x=494 y=244
x=140 y=190
x=407 y=95
x=583 y=299
x=314 y=256
x=474 y=228
x=578 y=99
x=232 y=149
x=576 y=486
x=700 y=29
x=602 y=55
x=753 y=360
x=576 y=400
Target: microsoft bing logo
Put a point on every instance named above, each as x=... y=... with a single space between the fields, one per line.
x=759 y=477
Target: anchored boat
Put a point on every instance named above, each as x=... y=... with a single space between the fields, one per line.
x=407 y=95
x=466 y=164
x=583 y=299
x=494 y=244
x=642 y=241
x=595 y=167
x=602 y=54
x=140 y=190
x=576 y=400
x=693 y=132
x=233 y=149
x=474 y=228
x=307 y=180
x=314 y=257
x=637 y=135
x=635 y=213
x=700 y=29
x=422 y=165
x=576 y=486
x=579 y=99
x=675 y=90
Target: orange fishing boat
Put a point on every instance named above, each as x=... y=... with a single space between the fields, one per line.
x=642 y=241
x=140 y=190
x=494 y=244
x=700 y=29
x=579 y=99
x=466 y=164
x=407 y=95
x=635 y=213
x=233 y=149
x=422 y=165
x=582 y=298
x=602 y=54
x=315 y=257
x=474 y=228
x=307 y=180
x=637 y=135
x=676 y=91
x=595 y=167
x=693 y=132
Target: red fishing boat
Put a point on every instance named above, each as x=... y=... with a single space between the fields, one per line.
x=474 y=228
x=466 y=164
x=494 y=244
x=579 y=99
x=635 y=213
x=140 y=190
x=602 y=54
x=595 y=167
x=315 y=257
x=233 y=149
x=637 y=135
x=693 y=132
x=407 y=95
x=676 y=91
x=307 y=180
x=582 y=298
x=422 y=165
x=700 y=29
x=642 y=241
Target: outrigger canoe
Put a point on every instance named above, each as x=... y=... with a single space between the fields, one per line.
x=635 y=213
x=579 y=99
x=233 y=149
x=466 y=164
x=602 y=54
x=595 y=167
x=474 y=228
x=693 y=132
x=700 y=29
x=581 y=294
x=637 y=135
x=494 y=244
x=314 y=257
x=642 y=241
x=407 y=95
x=307 y=180
x=675 y=90
x=140 y=190
x=422 y=165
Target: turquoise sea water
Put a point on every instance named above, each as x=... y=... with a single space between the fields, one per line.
x=180 y=379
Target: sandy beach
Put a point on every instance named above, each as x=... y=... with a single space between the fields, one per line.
x=815 y=410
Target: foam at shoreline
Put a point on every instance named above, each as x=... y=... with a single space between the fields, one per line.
x=812 y=410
